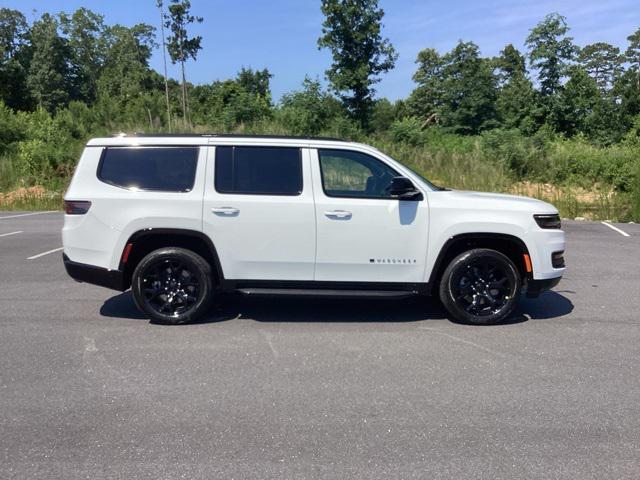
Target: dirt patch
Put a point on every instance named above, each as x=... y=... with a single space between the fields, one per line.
x=547 y=190
x=37 y=192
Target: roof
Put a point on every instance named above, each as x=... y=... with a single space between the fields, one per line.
x=222 y=135
x=213 y=139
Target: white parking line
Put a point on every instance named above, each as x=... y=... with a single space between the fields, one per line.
x=10 y=233
x=621 y=232
x=27 y=214
x=45 y=253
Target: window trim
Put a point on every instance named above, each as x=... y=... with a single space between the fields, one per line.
x=103 y=155
x=361 y=197
x=263 y=194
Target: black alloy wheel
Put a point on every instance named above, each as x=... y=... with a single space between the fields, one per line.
x=172 y=285
x=480 y=286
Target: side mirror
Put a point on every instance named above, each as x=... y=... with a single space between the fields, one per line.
x=404 y=189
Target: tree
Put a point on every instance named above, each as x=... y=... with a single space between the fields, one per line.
x=48 y=78
x=426 y=99
x=126 y=79
x=517 y=102
x=255 y=82
x=510 y=64
x=578 y=102
x=86 y=42
x=517 y=105
x=181 y=47
x=551 y=51
x=352 y=32
x=632 y=55
x=160 y=5
x=459 y=87
x=602 y=62
x=13 y=61
x=309 y=111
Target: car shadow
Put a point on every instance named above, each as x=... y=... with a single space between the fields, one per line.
x=296 y=309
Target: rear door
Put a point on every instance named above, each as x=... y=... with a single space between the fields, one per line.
x=258 y=210
x=364 y=235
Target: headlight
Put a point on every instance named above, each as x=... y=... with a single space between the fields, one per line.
x=548 y=221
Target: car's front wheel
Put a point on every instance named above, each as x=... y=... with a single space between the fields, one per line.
x=172 y=285
x=481 y=287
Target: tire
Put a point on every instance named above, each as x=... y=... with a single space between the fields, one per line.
x=172 y=286
x=480 y=287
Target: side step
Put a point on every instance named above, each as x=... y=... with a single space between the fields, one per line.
x=322 y=292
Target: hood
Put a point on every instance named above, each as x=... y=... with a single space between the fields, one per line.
x=497 y=201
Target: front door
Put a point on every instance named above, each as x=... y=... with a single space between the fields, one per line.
x=364 y=235
x=258 y=210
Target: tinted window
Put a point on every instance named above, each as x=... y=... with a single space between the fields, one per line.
x=258 y=170
x=353 y=174
x=167 y=169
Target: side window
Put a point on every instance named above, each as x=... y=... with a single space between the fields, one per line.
x=258 y=170
x=353 y=174
x=166 y=169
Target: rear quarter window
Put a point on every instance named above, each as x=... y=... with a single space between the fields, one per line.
x=163 y=169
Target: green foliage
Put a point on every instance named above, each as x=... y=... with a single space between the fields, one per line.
x=471 y=123
x=309 y=111
x=511 y=64
x=13 y=58
x=407 y=130
x=352 y=32
x=86 y=40
x=603 y=62
x=12 y=129
x=181 y=48
x=48 y=76
x=550 y=51
x=459 y=87
x=231 y=102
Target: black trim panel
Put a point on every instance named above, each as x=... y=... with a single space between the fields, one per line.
x=438 y=265
x=536 y=287
x=177 y=231
x=310 y=285
x=81 y=272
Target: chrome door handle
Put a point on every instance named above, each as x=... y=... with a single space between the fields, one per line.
x=338 y=214
x=226 y=211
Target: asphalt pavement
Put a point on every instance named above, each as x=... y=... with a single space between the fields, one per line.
x=284 y=388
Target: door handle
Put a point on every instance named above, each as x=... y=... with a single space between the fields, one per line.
x=343 y=214
x=225 y=211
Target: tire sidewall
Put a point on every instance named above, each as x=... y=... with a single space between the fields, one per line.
x=199 y=266
x=446 y=290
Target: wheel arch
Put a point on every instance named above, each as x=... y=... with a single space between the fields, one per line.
x=147 y=240
x=511 y=246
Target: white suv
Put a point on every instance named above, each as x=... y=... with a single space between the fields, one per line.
x=180 y=219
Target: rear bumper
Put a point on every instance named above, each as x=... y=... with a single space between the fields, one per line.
x=536 y=287
x=81 y=272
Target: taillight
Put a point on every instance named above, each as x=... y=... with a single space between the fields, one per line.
x=76 y=207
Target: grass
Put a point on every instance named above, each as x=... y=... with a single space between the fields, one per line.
x=560 y=172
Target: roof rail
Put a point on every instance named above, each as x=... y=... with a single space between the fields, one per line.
x=225 y=135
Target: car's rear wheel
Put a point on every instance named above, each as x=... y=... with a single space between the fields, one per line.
x=172 y=286
x=480 y=287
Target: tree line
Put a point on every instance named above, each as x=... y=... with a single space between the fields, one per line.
x=593 y=90
x=69 y=76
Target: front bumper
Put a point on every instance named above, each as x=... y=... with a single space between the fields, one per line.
x=536 y=287
x=81 y=272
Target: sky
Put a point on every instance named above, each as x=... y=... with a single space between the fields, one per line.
x=282 y=34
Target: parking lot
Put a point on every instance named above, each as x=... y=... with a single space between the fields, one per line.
x=291 y=388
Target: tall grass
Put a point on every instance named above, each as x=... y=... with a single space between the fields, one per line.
x=497 y=161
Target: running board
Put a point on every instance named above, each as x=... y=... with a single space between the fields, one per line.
x=322 y=292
